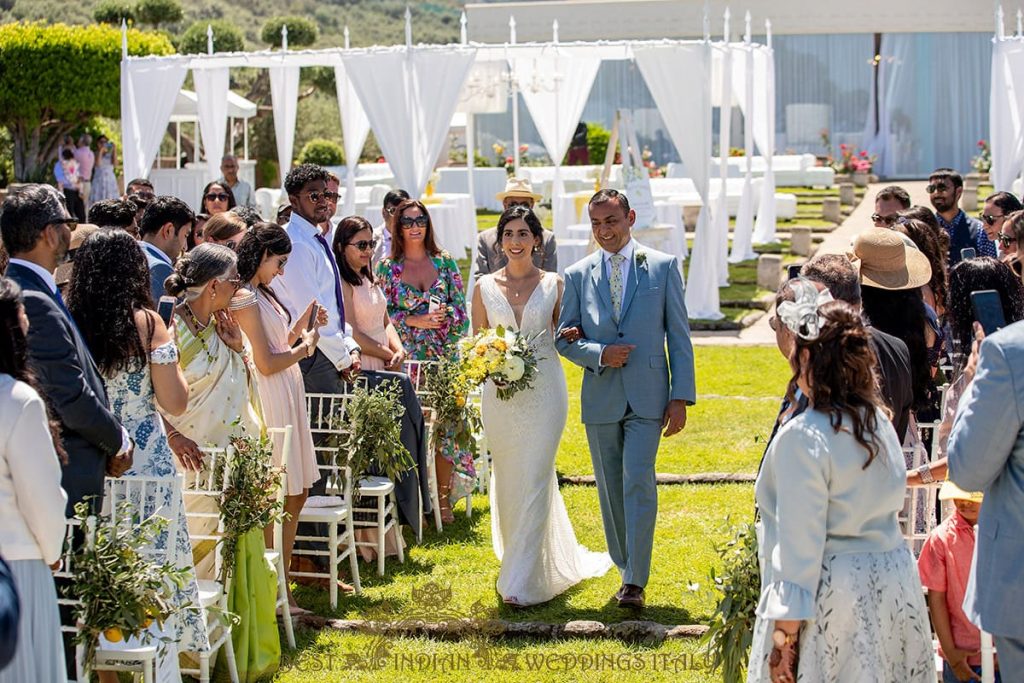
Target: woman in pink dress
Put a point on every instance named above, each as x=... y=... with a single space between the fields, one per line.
x=364 y=299
x=262 y=255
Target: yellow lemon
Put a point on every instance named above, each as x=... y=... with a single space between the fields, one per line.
x=113 y=634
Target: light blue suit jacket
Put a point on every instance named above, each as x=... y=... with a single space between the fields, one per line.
x=986 y=453
x=653 y=315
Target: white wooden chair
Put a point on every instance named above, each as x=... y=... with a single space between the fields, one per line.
x=141 y=660
x=275 y=555
x=340 y=539
x=207 y=525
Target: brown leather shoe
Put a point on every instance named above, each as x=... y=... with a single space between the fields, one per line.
x=631 y=596
x=618 y=593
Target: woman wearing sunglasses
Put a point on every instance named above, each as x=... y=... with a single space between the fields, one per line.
x=224 y=228
x=427 y=304
x=216 y=198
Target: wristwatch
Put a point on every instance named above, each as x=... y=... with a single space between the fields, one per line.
x=782 y=639
x=925 y=472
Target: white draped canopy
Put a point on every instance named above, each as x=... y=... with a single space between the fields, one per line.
x=1006 y=112
x=212 y=104
x=149 y=90
x=355 y=127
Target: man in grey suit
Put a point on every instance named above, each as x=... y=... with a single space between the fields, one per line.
x=986 y=453
x=489 y=257
x=624 y=305
x=35 y=227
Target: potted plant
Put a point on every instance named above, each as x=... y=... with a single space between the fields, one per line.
x=121 y=591
x=982 y=162
x=375 y=433
x=856 y=163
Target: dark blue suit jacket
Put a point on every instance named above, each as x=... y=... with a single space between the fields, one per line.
x=72 y=386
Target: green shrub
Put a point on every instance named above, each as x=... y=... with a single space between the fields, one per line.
x=156 y=12
x=226 y=37
x=113 y=11
x=57 y=77
x=301 y=31
x=322 y=152
x=598 y=138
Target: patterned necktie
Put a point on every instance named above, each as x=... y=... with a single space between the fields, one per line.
x=337 y=279
x=615 y=281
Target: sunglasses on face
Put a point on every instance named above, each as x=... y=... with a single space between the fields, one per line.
x=525 y=205
x=936 y=187
x=887 y=220
x=217 y=197
x=143 y=196
x=407 y=221
x=72 y=223
x=363 y=245
x=989 y=218
x=1006 y=240
x=316 y=196
x=236 y=282
x=331 y=196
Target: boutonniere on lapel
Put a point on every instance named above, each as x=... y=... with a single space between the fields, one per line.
x=641 y=259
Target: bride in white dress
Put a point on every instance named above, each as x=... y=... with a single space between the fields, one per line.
x=532 y=535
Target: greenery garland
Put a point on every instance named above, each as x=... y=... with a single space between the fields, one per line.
x=249 y=500
x=121 y=590
x=455 y=416
x=731 y=633
x=374 y=444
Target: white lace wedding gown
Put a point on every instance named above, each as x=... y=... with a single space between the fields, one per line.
x=530 y=528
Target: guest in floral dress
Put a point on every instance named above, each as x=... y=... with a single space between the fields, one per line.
x=109 y=297
x=416 y=273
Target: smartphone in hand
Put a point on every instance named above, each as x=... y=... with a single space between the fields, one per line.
x=436 y=304
x=165 y=309
x=988 y=310
x=313 y=313
x=968 y=252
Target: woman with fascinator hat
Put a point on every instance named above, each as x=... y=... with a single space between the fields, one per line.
x=841 y=600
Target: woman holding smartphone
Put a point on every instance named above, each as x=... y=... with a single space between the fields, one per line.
x=427 y=305
x=262 y=255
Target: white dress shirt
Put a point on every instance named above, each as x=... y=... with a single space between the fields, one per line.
x=309 y=276
x=624 y=267
x=47 y=277
x=31 y=499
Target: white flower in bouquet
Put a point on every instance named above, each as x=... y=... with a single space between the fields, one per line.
x=514 y=368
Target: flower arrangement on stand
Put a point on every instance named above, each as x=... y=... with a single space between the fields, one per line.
x=852 y=160
x=502 y=356
x=249 y=500
x=122 y=592
x=982 y=163
x=375 y=432
x=653 y=170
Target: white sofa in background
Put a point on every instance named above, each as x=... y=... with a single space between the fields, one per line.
x=683 y=190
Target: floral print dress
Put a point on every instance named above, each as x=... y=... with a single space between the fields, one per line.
x=406 y=300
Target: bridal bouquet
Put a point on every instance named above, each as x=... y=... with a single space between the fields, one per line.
x=502 y=356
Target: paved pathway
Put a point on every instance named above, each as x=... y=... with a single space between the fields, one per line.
x=839 y=241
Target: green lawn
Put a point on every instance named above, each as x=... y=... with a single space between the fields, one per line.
x=738 y=391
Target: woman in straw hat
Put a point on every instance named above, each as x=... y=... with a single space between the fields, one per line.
x=829 y=490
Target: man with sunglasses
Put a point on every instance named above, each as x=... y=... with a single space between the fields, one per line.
x=490 y=257
x=888 y=204
x=944 y=189
x=383 y=232
x=333 y=183
x=997 y=207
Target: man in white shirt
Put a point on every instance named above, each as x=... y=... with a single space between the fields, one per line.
x=241 y=189
x=383 y=232
x=312 y=274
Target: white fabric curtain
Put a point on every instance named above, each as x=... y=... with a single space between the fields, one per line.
x=148 y=92
x=1006 y=113
x=721 y=214
x=764 y=137
x=920 y=133
x=410 y=117
x=555 y=85
x=743 y=92
x=354 y=129
x=679 y=78
x=284 y=95
x=212 y=102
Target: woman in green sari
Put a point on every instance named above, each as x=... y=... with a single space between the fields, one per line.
x=222 y=404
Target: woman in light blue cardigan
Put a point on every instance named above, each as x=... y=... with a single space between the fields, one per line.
x=841 y=600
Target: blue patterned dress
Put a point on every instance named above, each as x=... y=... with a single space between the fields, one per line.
x=134 y=403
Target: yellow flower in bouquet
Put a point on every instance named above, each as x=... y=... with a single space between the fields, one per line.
x=502 y=356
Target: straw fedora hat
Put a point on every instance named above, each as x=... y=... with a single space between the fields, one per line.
x=951 y=491
x=885 y=261
x=518 y=187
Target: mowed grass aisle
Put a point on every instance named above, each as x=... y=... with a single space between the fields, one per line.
x=453 y=574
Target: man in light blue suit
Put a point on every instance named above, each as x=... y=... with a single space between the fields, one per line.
x=986 y=453
x=625 y=302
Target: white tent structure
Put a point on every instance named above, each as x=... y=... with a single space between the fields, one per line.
x=186 y=110
x=411 y=122
x=1006 y=111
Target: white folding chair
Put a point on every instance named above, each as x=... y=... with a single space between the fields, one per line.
x=340 y=539
x=207 y=524
x=275 y=555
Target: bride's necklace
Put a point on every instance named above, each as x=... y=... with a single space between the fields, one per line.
x=518 y=290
